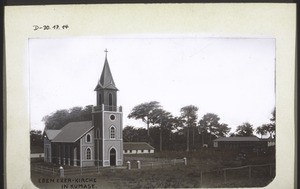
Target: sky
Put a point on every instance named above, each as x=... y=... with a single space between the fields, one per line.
x=231 y=77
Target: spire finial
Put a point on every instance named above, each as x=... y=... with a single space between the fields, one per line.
x=105 y=53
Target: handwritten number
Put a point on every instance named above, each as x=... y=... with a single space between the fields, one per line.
x=46 y=27
x=65 y=26
x=56 y=27
x=49 y=27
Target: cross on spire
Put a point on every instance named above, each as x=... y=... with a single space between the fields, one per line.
x=105 y=53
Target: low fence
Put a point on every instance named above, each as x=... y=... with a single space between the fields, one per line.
x=233 y=173
x=220 y=175
x=132 y=164
x=156 y=163
x=44 y=169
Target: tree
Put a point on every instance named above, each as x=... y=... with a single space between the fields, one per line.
x=128 y=133
x=60 y=118
x=268 y=128
x=261 y=130
x=273 y=118
x=222 y=130
x=210 y=124
x=189 y=117
x=271 y=128
x=144 y=112
x=246 y=129
x=164 y=118
x=36 y=138
x=132 y=134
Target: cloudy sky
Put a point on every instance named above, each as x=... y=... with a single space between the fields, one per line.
x=231 y=77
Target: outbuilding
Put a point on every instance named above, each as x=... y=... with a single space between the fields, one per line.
x=239 y=142
x=137 y=148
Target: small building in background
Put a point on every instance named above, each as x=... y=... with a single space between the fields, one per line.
x=137 y=148
x=251 y=142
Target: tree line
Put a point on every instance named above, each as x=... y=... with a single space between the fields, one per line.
x=163 y=130
x=184 y=131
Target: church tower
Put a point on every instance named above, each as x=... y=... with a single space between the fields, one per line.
x=107 y=121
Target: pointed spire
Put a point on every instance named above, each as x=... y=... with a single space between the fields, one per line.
x=106 y=80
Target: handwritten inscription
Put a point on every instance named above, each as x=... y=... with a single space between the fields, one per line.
x=70 y=183
x=50 y=27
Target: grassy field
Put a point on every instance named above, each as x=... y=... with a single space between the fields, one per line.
x=209 y=162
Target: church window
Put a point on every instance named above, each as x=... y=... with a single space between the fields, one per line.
x=112 y=117
x=88 y=138
x=88 y=153
x=110 y=99
x=112 y=132
x=99 y=99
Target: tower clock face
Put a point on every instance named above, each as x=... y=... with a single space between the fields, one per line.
x=112 y=117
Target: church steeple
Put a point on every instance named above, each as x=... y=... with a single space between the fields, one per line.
x=106 y=80
x=106 y=88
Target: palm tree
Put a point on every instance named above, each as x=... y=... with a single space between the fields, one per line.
x=261 y=131
x=189 y=115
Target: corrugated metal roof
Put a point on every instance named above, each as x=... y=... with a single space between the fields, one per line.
x=51 y=134
x=73 y=131
x=237 y=139
x=137 y=146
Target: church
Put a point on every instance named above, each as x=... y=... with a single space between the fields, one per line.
x=97 y=142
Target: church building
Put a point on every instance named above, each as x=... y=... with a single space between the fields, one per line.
x=97 y=142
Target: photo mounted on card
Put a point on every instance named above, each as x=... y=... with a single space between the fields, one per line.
x=112 y=100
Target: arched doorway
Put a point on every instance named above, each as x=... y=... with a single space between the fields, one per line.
x=112 y=157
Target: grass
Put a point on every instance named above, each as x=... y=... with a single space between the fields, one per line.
x=180 y=176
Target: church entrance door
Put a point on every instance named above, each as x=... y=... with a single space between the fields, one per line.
x=112 y=157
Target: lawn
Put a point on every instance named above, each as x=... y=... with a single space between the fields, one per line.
x=203 y=170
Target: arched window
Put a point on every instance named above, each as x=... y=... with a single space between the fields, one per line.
x=88 y=153
x=88 y=138
x=110 y=99
x=112 y=132
x=99 y=98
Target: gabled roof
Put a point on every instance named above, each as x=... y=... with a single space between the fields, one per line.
x=106 y=80
x=73 y=131
x=237 y=139
x=137 y=146
x=51 y=134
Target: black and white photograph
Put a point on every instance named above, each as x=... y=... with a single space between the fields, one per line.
x=150 y=96
x=164 y=111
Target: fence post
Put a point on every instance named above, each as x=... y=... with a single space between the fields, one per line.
x=138 y=164
x=225 y=179
x=128 y=165
x=185 y=161
x=249 y=172
x=201 y=178
x=80 y=170
x=61 y=171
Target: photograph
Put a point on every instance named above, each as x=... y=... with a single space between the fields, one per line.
x=152 y=111
x=191 y=95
